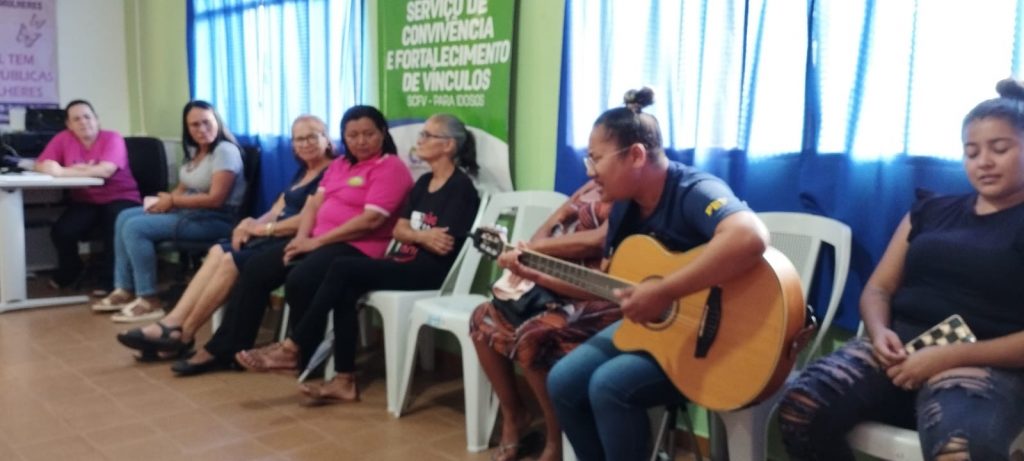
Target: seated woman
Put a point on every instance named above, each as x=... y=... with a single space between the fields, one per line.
x=202 y=207
x=83 y=149
x=600 y=393
x=576 y=231
x=950 y=255
x=349 y=215
x=209 y=288
x=431 y=229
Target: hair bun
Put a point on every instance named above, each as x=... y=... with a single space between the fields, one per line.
x=1010 y=89
x=636 y=100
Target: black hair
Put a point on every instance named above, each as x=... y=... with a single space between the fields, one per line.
x=223 y=134
x=629 y=124
x=465 y=142
x=1009 y=106
x=370 y=112
x=75 y=103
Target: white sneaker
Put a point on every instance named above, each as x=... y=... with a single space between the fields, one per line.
x=139 y=310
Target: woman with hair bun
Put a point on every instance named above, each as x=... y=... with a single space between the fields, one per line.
x=431 y=228
x=602 y=394
x=960 y=254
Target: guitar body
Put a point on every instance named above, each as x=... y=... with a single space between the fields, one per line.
x=750 y=357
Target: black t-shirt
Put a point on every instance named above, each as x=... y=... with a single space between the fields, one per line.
x=690 y=208
x=454 y=206
x=959 y=262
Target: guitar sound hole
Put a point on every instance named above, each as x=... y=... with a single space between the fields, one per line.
x=665 y=319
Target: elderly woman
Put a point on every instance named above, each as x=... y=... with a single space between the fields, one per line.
x=83 y=149
x=431 y=229
x=209 y=288
x=202 y=207
x=349 y=216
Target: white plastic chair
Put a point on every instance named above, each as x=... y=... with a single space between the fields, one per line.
x=452 y=310
x=888 y=442
x=798 y=236
x=394 y=308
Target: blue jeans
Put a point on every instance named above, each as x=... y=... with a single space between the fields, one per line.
x=136 y=234
x=602 y=394
x=975 y=411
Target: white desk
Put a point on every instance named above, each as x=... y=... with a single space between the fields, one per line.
x=13 y=292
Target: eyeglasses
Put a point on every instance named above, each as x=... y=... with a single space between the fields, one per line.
x=424 y=135
x=307 y=139
x=591 y=162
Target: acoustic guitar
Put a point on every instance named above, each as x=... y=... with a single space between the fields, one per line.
x=725 y=347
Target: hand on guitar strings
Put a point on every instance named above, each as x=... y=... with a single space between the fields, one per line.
x=510 y=260
x=644 y=302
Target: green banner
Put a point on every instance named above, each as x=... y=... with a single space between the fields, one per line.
x=452 y=56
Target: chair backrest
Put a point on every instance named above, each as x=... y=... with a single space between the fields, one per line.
x=147 y=160
x=530 y=208
x=799 y=236
x=251 y=160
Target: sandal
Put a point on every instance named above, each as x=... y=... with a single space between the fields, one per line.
x=113 y=302
x=273 y=357
x=506 y=452
x=163 y=347
x=139 y=310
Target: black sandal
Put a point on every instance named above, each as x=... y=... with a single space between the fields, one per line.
x=137 y=340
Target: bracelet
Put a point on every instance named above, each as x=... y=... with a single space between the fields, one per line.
x=268 y=230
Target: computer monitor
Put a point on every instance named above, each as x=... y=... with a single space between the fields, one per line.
x=44 y=120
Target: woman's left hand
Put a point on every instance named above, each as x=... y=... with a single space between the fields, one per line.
x=920 y=366
x=298 y=247
x=644 y=302
x=163 y=204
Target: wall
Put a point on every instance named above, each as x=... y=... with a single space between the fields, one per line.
x=157 y=66
x=91 y=59
x=158 y=78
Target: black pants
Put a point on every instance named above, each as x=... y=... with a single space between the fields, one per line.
x=348 y=280
x=79 y=223
x=261 y=275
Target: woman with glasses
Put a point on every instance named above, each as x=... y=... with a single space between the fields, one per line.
x=350 y=215
x=431 y=229
x=173 y=334
x=601 y=393
x=203 y=206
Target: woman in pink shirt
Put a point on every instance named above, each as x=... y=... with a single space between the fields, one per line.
x=83 y=149
x=351 y=214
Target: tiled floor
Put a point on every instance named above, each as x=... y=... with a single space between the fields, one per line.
x=69 y=391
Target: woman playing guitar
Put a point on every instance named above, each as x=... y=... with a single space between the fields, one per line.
x=950 y=255
x=600 y=393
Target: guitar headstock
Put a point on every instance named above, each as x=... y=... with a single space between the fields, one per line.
x=489 y=240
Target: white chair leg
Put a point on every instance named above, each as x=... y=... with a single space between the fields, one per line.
x=394 y=347
x=282 y=332
x=481 y=405
x=408 y=360
x=568 y=454
x=746 y=430
x=217 y=319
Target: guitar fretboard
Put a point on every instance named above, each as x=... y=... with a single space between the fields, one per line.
x=594 y=282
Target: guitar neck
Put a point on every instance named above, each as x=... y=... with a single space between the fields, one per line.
x=594 y=282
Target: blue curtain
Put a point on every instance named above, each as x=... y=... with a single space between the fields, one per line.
x=264 y=62
x=842 y=108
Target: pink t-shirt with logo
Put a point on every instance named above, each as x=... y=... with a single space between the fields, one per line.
x=66 y=150
x=380 y=184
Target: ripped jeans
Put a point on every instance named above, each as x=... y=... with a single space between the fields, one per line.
x=965 y=413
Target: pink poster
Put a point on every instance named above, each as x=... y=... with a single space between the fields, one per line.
x=28 y=55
